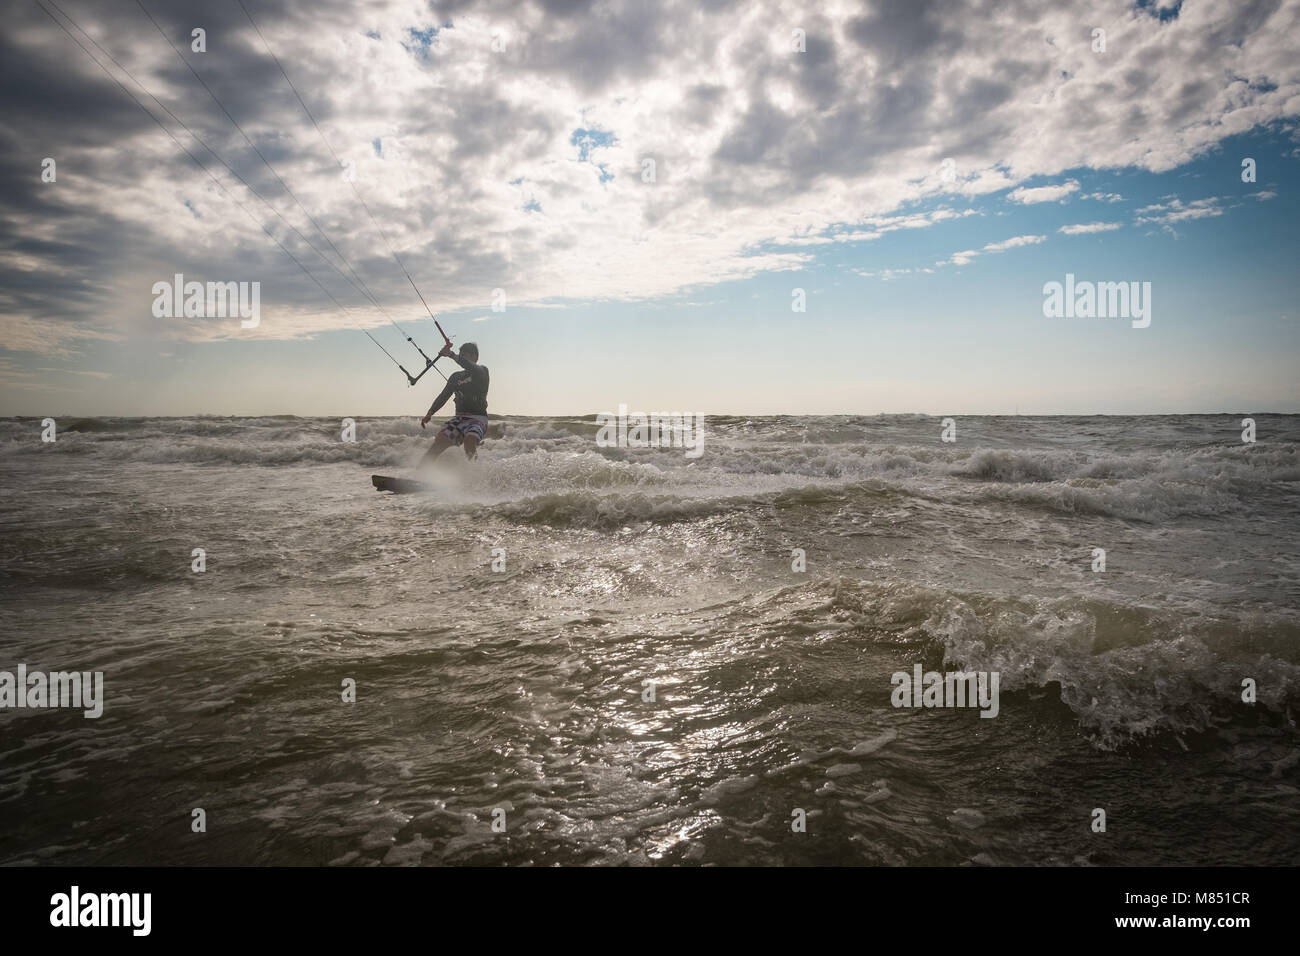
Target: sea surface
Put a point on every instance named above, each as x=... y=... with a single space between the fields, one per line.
x=648 y=678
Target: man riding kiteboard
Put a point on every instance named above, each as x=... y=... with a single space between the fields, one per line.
x=470 y=386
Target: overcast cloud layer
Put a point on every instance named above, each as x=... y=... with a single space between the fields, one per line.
x=521 y=167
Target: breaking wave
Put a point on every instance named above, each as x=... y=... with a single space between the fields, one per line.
x=1125 y=672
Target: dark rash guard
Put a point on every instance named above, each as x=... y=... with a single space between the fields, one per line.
x=470 y=386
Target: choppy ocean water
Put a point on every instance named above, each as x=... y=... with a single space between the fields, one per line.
x=519 y=696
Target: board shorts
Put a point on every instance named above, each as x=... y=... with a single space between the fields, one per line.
x=457 y=428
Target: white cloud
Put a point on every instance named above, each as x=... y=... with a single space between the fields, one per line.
x=1178 y=211
x=965 y=257
x=879 y=227
x=886 y=275
x=1087 y=228
x=1014 y=242
x=1038 y=194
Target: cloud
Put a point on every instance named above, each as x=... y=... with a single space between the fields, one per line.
x=1038 y=194
x=1103 y=197
x=89 y=373
x=959 y=258
x=51 y=337
x=965 y=257
x=875 y=228
x=886 y=275
x=610 y=152
x=1013 y=243
x=1087 y=228
x=1178 y=211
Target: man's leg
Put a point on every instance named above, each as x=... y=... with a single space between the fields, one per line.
x=440 y=444
x=471 y=445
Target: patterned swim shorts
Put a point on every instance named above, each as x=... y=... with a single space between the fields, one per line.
x=457 y=428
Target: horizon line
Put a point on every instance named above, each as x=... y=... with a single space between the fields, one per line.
x=498 y=415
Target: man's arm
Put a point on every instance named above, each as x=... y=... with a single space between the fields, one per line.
x=438 y=402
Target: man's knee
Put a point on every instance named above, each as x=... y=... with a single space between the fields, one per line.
x=440 y=444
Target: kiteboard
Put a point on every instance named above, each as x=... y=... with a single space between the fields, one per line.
x=399 y=486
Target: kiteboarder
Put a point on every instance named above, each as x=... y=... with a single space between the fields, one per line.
x=470 y=386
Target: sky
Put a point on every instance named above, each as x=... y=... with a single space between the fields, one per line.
x=748 y=208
